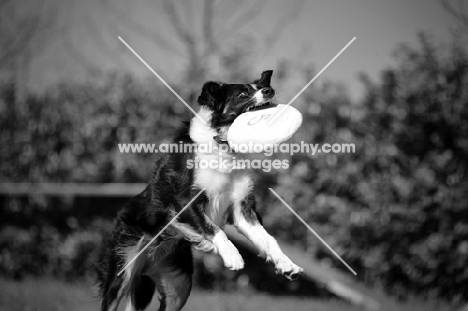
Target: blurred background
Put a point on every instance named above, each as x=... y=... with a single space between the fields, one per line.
x=396 y=210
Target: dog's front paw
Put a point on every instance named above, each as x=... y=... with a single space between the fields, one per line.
x=289 y=269
x=231 y=257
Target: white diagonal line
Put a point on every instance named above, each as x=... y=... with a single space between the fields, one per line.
x=313 y=231
x=162 y=80
x=162 y=230
x=313 y=79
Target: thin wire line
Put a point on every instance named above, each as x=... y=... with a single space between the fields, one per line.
x=313 y=231
x=162 y=80
x=313 y=79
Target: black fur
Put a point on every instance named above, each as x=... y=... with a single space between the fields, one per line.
x=265 y=79
x=147 y=213
x=144 y=291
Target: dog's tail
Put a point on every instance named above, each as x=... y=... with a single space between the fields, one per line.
x=114 y=287
x=110 y=285
x=106 y=270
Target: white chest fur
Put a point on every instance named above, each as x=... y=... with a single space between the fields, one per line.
x=223 y=190
x=223 y=187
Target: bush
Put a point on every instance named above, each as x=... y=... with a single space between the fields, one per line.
x=396 y=209
x=70 y=134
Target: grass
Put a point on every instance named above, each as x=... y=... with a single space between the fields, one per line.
x=53 y=295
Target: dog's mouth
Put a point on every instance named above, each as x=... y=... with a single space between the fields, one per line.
x=221 y=137
x=265 y=105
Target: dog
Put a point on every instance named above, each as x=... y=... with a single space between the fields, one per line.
x=166 y=265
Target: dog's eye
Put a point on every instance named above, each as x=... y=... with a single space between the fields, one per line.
x=242 y=95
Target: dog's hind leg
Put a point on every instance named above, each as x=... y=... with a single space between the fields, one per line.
x=140 y=293
x=174 y=289
x=172 y=273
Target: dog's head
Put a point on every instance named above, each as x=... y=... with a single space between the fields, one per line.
x=227 y=101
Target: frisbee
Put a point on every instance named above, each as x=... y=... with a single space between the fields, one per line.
x=251 y=132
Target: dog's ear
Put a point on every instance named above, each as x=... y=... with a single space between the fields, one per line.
x=265 y=79
x=212 y=94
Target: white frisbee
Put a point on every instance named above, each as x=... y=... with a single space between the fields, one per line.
x=251 y=132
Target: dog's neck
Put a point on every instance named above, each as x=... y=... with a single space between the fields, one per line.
x=202 y=132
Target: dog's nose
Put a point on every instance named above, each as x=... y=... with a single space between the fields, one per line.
x=268 y=91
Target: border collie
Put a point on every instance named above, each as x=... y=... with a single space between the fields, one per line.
x=166 y=266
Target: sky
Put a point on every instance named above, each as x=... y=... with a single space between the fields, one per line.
x=317 y=31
